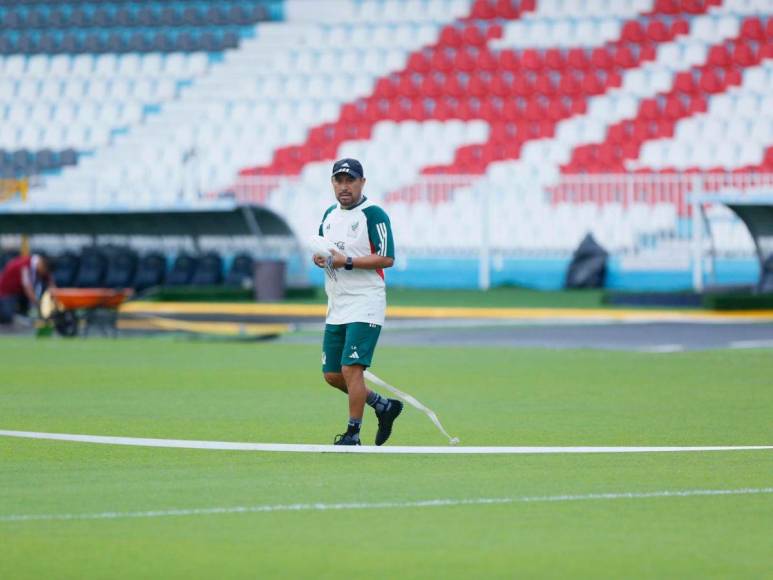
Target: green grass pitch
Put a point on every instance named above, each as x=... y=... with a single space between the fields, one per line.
x=267 y=392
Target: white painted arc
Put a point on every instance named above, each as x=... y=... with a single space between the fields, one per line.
x=428 y=503
x=415 y=450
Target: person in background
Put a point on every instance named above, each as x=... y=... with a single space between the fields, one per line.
x=22 y=281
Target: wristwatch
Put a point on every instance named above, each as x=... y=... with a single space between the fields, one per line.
x=349 y=263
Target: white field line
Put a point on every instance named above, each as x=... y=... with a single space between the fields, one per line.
x=662 y=348
x=302 y=507
x=304 y=448
x=752 y=344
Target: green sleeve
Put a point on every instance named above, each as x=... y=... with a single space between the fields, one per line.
x=380 y=231
x=327 y=213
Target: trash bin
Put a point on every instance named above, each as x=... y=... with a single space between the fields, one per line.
x=269 y=280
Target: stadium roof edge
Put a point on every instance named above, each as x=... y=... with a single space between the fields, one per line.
x=218 y=219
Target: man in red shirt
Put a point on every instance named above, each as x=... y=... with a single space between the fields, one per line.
x=18 y=282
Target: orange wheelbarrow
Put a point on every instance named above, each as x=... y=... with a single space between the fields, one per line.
x=81 y=310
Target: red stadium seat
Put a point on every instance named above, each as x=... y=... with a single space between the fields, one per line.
x=579 y=106
x=656 y=31
x=744 y=55
x=535 y=109
x=531 y=60
x=452 y=86
x=483 y=10
x=710 y=81
x=666 y=7
x=685 y=83
x=472 y=36
x=674 y=108
x=441 y=61
x=632 y=31
x=450 y=37
x=419 y=63
x=554 y=59
x=601 y=58
x=430 y=87
x=505 y=9
x=591 y=85
x=557 y=109
x=544 y=84
x=509 y=60
x=678 y=26
x=577 y=59
x=500 y=87
x=494 y=31
x=718 y=56
x=694 y=6
x=647 y=52
x=698 y=104
x=752 y=29
x=649 y=110
x=733 y=78
x=464 y=61
x=569 y=84
x=623 y=57
x=486 y=61
x=523 y=85
x=665 y=129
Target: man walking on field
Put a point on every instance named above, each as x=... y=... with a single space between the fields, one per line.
x=356 y=295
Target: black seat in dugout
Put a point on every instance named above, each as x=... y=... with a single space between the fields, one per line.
x=209 y=271
x=92 y=269
x=65 y=268
x=241 y=272
x=182 y=270
x=150 y=271
x=121 y=268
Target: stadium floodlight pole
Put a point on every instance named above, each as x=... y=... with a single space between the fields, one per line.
x=413 y=402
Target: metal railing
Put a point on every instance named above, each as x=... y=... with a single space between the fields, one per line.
x=636 y=215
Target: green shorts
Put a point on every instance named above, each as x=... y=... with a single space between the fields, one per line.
x=348 y=344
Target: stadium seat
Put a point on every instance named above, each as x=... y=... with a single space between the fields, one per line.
x=241 y=272
x=92 y=267
x=208 y=271
x=151 y=270
x=182 y=270
x=65 y=269
x=121 y=268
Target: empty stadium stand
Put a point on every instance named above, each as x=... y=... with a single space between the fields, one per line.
x=475 y=119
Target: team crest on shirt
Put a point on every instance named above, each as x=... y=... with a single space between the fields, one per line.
x=341 y=246
x=354 y=230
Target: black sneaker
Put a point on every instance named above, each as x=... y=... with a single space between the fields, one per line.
x=385 y=420
x=347 y=438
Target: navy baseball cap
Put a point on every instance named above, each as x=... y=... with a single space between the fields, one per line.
x=350 y=166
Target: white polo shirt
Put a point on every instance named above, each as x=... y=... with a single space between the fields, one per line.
x=357 y=295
